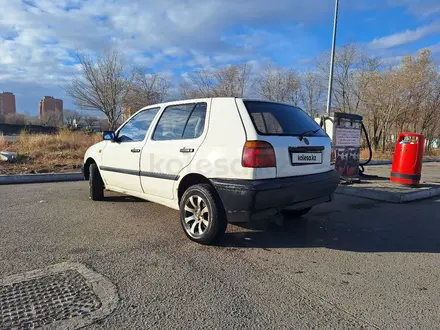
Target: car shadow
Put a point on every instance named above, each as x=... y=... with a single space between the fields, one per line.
x=390 y=232
x=123 y=199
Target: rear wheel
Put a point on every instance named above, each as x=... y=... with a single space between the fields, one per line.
x=201 y=214
x=297 y=213
x=96 y=185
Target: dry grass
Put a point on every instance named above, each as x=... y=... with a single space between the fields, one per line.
x=388 y=155
x=3 y=143
x=63 y=151
x=65 y=143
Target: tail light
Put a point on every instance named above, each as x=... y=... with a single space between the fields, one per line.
x=258 y=154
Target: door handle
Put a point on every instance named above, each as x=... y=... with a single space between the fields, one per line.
x=135 y=150
x=186 y=150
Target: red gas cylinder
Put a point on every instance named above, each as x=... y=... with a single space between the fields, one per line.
x=408 y=159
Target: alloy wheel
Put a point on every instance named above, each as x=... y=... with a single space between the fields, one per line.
x=197 y=216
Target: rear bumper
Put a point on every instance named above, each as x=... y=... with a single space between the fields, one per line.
x=248 y=200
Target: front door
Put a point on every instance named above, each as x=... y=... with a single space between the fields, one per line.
x=120 y=158
x=178 y=135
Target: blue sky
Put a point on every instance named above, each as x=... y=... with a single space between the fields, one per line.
x=38 y=38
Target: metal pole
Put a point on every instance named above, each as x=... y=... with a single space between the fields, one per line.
x=332 y=59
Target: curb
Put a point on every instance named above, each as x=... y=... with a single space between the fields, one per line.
x=390 y=197
x=40 y=178
x=417 y=195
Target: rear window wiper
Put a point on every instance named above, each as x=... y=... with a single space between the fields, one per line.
x=308 y=133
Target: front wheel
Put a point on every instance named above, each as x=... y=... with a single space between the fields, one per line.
x=201 y=214
x=96 y=185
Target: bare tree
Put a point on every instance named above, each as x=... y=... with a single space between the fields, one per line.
x=104 y=125
x=280 y=85
x=72 y=117
x=199 y=83
x=344 y=76
x=51 y=118
x=312 y=92
x=146 y=89
x=383 y=102
x=90 y=120
x=15 y=119
x=102 y=85
x=27 y=118
x=421 y=80
x=233 y=80
x=350 y=65
x=402 y=98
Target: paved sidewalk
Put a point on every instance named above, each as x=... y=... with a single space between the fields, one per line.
x=381 y=188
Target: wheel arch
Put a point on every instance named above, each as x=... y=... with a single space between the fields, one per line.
x=188 y=181
x=86 y=170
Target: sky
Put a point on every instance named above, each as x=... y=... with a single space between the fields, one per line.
x=39 y=38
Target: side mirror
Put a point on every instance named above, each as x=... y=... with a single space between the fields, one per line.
x=108 y=135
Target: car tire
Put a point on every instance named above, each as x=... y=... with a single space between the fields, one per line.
x=202 y=215
x=96 y=185
x=297 y=213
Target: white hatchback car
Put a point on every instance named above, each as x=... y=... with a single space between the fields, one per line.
x=216 y=160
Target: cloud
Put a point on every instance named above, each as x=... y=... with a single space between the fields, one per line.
x=422 y=9
x=405 y=37
x=39 y=38
x=42 y=33
x=427 y=11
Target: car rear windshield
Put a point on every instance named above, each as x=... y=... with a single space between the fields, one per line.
x=281 y=119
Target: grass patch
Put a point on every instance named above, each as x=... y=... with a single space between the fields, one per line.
x=63 y=151
x=68 y=142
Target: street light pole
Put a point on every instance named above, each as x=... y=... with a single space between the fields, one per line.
x=332 y=59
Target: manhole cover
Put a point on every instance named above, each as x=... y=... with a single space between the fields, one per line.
x=63 y=296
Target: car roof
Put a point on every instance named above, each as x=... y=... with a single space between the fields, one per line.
x=211 y=98
x=184 y=101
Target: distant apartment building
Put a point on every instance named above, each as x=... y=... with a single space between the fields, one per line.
x=7 y=104
x=51 y=110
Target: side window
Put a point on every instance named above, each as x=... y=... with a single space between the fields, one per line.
x=181 y=121
x=196 y=122
x=137 y=127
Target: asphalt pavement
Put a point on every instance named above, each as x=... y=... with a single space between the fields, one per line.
x=350 y=264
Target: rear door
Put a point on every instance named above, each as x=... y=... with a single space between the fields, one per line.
x=301 y=146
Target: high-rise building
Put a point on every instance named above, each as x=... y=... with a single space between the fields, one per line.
x=7 y=104
x=51 y=110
